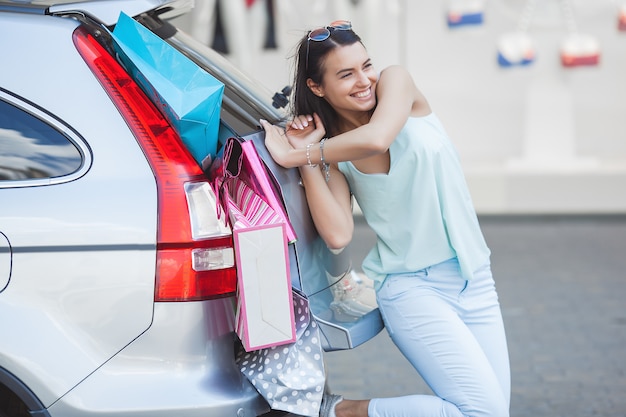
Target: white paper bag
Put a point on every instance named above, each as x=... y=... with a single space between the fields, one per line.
x=265 y=315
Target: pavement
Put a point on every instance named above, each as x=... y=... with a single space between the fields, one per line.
x=562 y=287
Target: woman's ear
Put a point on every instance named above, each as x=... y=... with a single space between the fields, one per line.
x=315 y=88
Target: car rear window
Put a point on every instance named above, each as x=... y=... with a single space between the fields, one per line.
x=32 y=149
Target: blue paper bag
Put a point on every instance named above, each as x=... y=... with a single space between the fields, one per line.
x=189 y=97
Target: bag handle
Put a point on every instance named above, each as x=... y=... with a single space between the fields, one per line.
x=232 y=158
x=232 y=161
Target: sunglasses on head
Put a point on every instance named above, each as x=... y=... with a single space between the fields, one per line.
x=323 y=33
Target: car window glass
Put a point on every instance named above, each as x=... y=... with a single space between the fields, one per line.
x=32 y=149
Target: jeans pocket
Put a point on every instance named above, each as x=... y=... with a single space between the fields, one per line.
x=397 y=284
x=394 y=288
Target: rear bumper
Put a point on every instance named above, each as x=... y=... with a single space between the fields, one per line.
x=183 y=365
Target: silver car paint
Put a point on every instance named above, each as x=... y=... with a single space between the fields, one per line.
x=81 y=249
x=183 y=362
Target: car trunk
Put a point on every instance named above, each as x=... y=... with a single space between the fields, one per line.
x=341 y=300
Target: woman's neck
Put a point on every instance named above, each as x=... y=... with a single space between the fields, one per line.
x=348 y=122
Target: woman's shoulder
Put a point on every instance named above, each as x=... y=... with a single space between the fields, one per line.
x=394 y=71
x=398 y=78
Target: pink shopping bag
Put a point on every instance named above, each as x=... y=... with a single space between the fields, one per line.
x=264 y=315
x=242 y=162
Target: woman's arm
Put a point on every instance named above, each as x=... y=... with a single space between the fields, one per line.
x=329 y=201
x=398 y=98
x=329 y=204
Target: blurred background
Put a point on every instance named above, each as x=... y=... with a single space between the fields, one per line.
x=537 y=131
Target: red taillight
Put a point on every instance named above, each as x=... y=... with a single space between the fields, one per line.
x=178 y=277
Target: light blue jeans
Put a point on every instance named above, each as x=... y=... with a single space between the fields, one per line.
x=451 y=331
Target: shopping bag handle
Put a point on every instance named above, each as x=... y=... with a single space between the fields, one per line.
x=232 y=158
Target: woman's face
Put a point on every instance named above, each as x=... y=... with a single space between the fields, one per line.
x=349 y=81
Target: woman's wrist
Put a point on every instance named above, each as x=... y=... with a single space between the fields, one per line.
x=295 y=158
x=311 y=153
x=305 y=156
x=308 y=155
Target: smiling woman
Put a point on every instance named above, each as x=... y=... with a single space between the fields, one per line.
x=357 y=133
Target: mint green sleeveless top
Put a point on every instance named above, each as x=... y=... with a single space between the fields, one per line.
x=421 y=211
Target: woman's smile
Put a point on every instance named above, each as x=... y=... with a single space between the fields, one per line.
x=363 y=94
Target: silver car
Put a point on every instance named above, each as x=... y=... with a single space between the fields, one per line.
x=102 y=310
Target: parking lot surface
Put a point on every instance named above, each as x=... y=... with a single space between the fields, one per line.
x=562 y=287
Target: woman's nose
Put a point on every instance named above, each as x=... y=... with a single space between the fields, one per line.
x=363 y=79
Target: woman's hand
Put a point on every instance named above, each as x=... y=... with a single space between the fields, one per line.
x=277 y=144
x=305 y=129
x=286 y=146
x=301 y=122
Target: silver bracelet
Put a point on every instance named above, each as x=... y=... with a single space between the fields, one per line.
x=308 y=155
x=325 y=165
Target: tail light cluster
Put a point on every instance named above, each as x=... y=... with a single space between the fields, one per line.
x=195 y=259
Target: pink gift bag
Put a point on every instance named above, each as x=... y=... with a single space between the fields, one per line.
x=243 y=163
x=264 y=312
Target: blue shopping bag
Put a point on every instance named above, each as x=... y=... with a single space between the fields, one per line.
x=189 y=97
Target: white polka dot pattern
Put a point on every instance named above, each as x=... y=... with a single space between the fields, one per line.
x=290 y=377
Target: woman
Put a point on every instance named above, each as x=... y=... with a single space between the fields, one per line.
x=430 y=263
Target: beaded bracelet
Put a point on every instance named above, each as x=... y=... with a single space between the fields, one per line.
x=325 y=165
x=308 y=155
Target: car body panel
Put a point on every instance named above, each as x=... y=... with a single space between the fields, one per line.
x=185 y=361
x=69 y=268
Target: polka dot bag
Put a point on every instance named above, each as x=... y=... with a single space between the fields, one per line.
x=290 y=377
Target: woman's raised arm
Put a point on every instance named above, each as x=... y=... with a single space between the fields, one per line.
x=397 y=99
